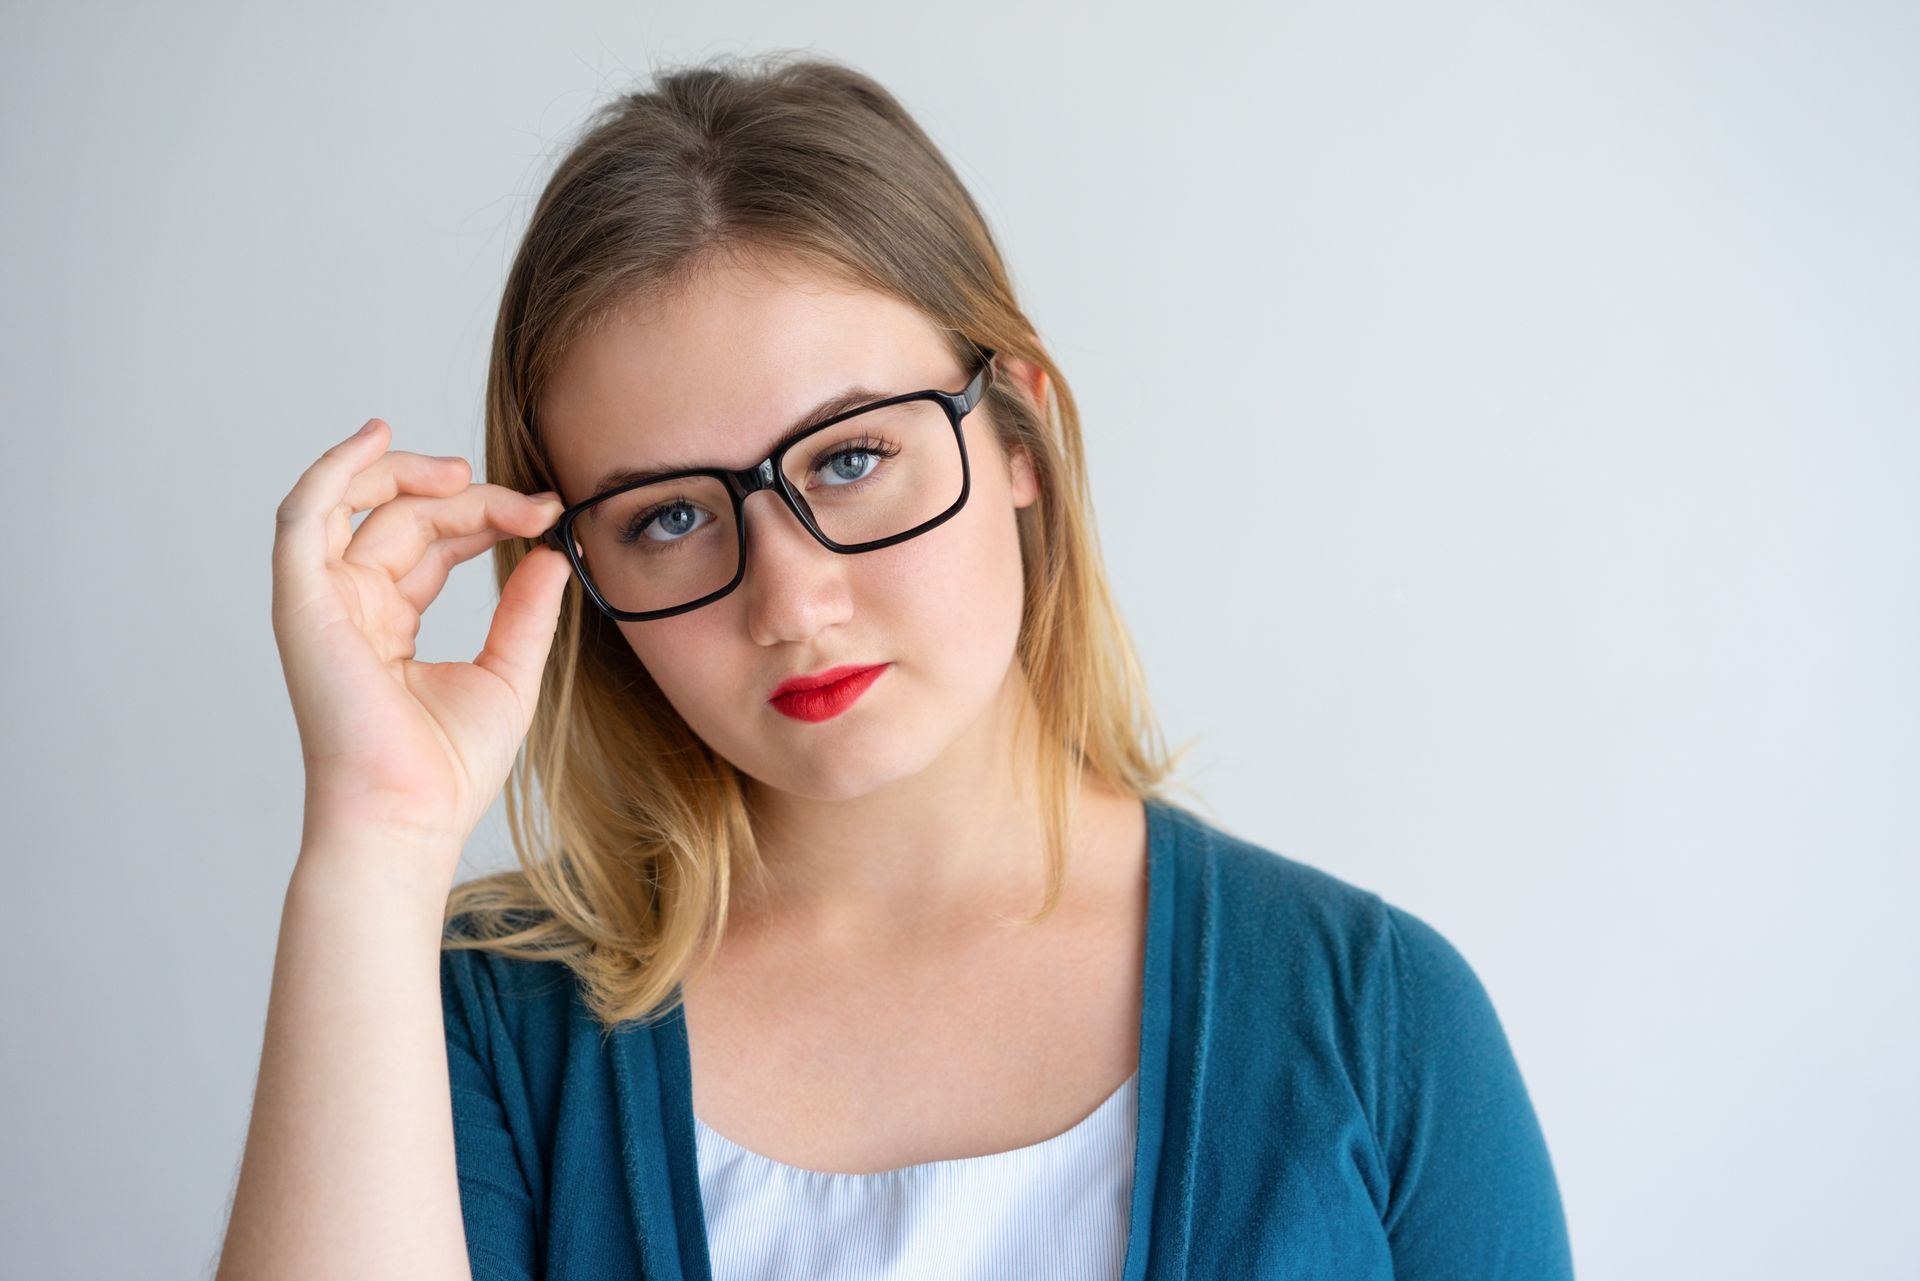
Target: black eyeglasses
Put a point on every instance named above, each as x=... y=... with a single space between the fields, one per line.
x=663 y=544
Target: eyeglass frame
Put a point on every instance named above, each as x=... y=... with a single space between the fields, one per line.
x=769 y=474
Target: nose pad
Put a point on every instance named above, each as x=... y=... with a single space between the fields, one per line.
x=763 y=482
x=775 y=506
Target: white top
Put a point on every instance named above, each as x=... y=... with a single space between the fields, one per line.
x=1055 y=1210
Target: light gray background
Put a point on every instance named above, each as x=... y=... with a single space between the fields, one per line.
x=1503 y=430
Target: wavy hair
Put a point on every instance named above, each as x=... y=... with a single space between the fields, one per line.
x=628 y=829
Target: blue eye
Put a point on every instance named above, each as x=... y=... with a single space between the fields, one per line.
x=865 y=448
x=676 y=518
x=665 y=526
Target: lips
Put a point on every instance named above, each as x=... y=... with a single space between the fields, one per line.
x=824 y=702
x=816 y=680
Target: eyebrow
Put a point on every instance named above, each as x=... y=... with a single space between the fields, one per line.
x=844 y=399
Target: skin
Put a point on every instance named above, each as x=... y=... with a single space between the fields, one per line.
x=873 y=1014
x=870 y=1012
x=874 y=818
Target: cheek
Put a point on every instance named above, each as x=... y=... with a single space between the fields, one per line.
x=686 y=657
x=957 y=588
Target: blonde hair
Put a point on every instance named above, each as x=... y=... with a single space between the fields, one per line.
x=629 y=830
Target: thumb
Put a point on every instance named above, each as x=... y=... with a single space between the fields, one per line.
x=524 y=623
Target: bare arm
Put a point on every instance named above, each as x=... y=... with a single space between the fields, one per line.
x=349 y=1164
x=350 y=1168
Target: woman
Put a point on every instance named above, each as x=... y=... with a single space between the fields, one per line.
x=768 y=995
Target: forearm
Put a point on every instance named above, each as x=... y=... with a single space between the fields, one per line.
x=349 y=1166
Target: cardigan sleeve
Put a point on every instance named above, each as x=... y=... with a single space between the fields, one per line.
x=495 y=1203
x=1472 y=1188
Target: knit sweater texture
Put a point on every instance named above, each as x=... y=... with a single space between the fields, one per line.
x=1325 y=1091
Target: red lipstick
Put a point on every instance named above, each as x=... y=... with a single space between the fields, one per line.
x=824 y=695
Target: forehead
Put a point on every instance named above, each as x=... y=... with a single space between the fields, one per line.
x=718 y=372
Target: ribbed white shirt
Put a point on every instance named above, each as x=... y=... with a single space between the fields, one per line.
x=1055 y=1210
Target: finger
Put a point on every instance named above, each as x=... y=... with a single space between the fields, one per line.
x=300 y=522
x=521 y=636
x=314 y=521
x=397 y=535
x=421 y=585
x=394 y=473
x=402 y=470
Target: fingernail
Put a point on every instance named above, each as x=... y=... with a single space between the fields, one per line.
x=367 y=427
x=547 y=497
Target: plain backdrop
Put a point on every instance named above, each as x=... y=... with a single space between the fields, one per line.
x=1503 y=434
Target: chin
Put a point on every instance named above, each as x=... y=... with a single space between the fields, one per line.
x=837 y=774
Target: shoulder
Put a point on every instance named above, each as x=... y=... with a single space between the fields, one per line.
x=1276 y=928
x=1342 y=1041
x=487 y=996
x=1259 y=898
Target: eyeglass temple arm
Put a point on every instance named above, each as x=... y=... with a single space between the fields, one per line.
x=982 y=380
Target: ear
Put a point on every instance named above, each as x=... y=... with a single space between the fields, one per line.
x=1028 y=379
x=1021 y=479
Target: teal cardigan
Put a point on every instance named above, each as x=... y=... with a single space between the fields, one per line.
x=1325 y=1091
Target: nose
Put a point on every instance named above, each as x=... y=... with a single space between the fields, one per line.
x=794 y=587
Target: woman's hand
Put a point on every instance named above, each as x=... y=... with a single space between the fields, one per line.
x=396 y=747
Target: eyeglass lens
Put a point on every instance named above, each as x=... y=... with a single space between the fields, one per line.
x=877 y=474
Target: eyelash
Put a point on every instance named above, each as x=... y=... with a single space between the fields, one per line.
x=862 y=445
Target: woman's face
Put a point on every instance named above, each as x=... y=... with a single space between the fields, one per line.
x=716 y=375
